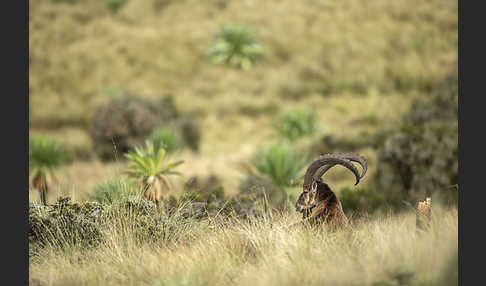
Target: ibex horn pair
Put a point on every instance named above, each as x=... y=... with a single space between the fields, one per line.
x=322 y=164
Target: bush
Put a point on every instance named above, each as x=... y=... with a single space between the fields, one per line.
x=166 y=138
x=296 y=124
x=418 y=158
x=281 y=163
x=417 y=161
x=236 y=47
x=115 y=5
x=64 y=224
x=191 y=133
x=113 y=190
x=124 y=122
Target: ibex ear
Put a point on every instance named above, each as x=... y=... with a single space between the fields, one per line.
x=314 y=187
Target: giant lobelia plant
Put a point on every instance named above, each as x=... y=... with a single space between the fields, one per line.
x=150 y=167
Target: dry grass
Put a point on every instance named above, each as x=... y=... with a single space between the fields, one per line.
x=332 y=48
x=347 y=61
x=380 y=251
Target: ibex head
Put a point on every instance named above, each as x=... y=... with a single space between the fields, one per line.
x=314 y=185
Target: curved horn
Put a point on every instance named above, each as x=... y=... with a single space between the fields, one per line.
x=356 y=158
x=321 y=164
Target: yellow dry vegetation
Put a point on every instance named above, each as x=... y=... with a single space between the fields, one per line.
x=382 y=251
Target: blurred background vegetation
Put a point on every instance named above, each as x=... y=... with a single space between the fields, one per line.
x=266 y=85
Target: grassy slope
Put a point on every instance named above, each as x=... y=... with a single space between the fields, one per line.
x=383 y=251
x=352 y=47
x=346 y=60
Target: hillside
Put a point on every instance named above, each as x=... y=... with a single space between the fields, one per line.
x=348 y=61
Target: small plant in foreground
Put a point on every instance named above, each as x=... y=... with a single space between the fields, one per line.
x=165 y=138
x=236 y=47
x=149 y=166
x=296 y=124
x=45 y=155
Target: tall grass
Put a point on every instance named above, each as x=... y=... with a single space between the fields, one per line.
x=382 y=251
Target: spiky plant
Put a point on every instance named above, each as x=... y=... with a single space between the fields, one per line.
x=148 y=165
x=282 y=165
x=45 y=155
x=236 y=47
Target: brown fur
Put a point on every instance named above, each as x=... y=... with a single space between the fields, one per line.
x=321 y=206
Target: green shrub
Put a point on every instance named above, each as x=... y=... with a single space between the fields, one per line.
x=113 y=190
x=419 y=157
x=280 y=162
x=417 y=161
x=124 y=122
x=166 y=138
x=296 y=124
x=64 y=224
x=115 y=5
x=236 y=47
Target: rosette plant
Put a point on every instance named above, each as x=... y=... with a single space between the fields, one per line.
x=45 y=156
x=236 y=47
x=150 y=167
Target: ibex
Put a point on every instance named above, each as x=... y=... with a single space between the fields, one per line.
x=318 y=203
